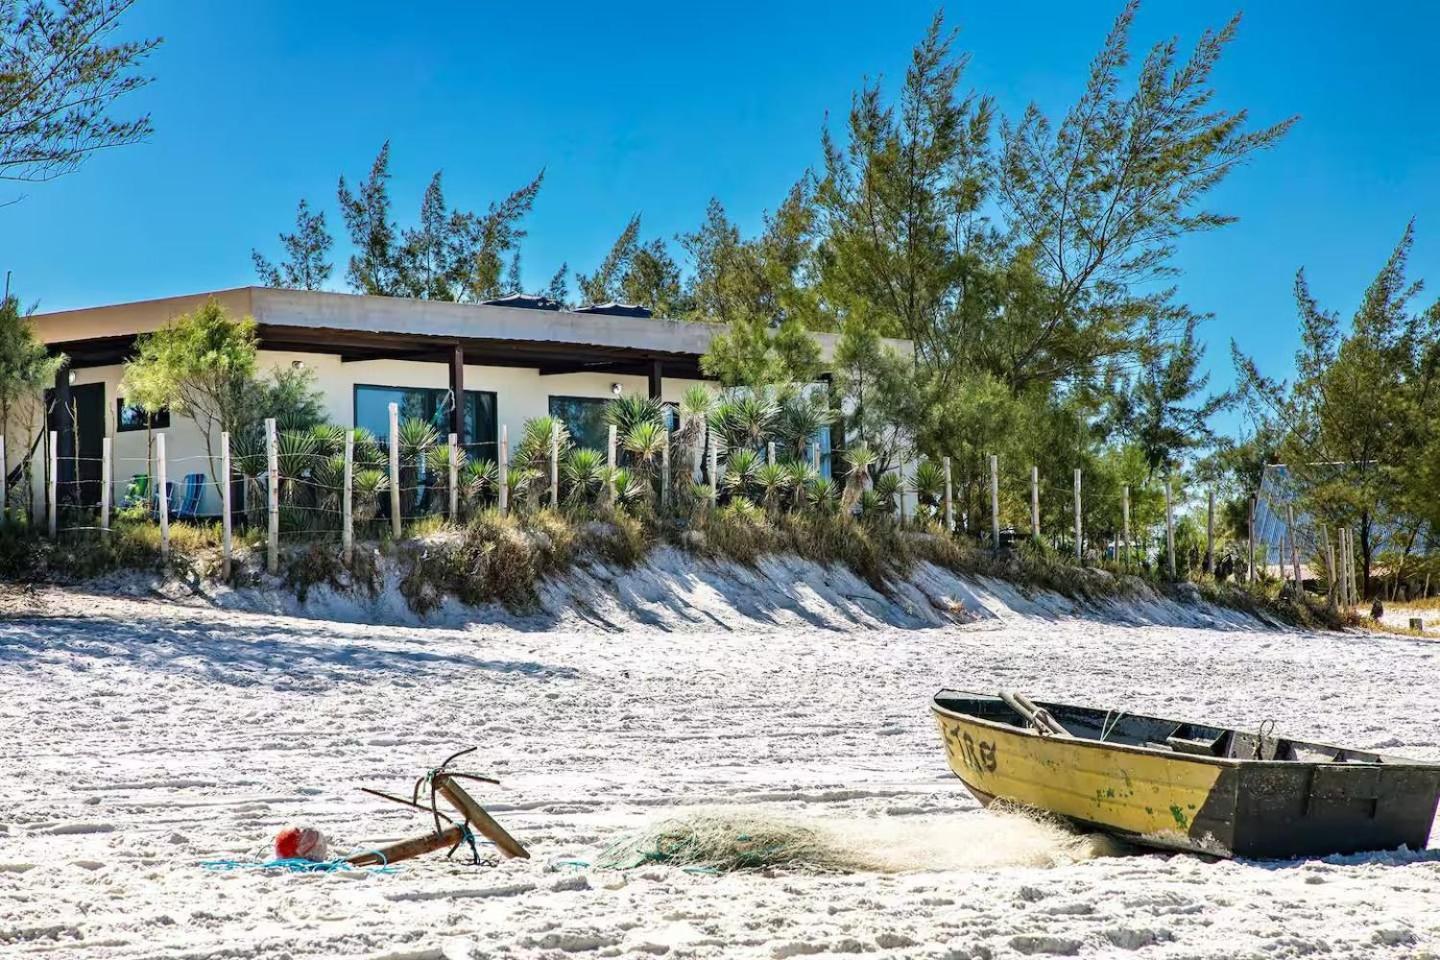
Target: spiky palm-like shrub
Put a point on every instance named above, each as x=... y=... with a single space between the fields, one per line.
x=479 y=480
x=822 y=494
x=858 y=461
x=746 y=421
x=645 y=443
x=801 y=476
x=772 y=481
x=533 y=453
x=928 y=484
x=627 y=412
x=689 y=439
x=738 y=478
x=367 y=485
x=802 y=416
x=887 y=490
x=583 y=476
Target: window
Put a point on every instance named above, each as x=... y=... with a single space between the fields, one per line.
x=584 y=417
x=131 y=417
x=372 y=411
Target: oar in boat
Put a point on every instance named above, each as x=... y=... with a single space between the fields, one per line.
x=1038 y=716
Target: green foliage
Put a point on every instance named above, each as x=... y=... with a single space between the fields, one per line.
x=1362 y=411
x=306 y=266
x=201 y=365
x=60 y=74
x=449 y=254
x=26 y=370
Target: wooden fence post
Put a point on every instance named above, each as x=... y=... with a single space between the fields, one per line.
x=994 y=504
x=1079 y=551
x=713 y=459
x=949 y=500
x=1210 y=533
x=1125 y=523
x=226 y=545
x=503 y=473
x=52 y=485
x=1170 y=529
x=107 y=474
x=1035 y=502
x=610 y=451
x=272 y=494
x=4 y=485
x=1334 y=585
x=36 y=507
x=555 y=464
x=347 y=502
x=1250 y=544
x=665 y=471
x=454 y=478
x=902 y=489
x=395 y=517
x=162 y=500
x=1295 y=549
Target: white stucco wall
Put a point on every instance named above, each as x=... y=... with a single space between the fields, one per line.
x=521 y=394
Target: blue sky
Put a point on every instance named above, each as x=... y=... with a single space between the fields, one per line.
x=654 y=108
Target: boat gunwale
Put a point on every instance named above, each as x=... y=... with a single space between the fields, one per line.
x=1387 y=761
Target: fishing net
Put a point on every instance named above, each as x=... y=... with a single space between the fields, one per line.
x=725 y=840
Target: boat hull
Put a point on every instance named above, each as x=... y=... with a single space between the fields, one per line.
x=1219 y=806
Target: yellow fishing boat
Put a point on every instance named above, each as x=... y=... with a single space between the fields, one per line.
x=1185 y=786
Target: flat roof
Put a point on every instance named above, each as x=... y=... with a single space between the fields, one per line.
x=359 y=327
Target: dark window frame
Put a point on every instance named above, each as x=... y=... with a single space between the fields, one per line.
x=433 y=396
x=572 y=398
x=159 y=420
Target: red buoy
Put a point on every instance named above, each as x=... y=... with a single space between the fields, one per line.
x=302 y=843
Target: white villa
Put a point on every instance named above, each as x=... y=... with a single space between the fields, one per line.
x=511 y=360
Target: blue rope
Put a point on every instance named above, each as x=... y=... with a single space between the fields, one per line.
x=299 y=865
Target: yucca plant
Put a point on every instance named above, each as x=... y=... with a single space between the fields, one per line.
x=739 y=476
x=821 y=494
x=367 y=450
x=629 y=411
x=437 y=472
x=646 y=444
x=858 y=461
x=870 y=504
x=533 y=452
x=478 y=481
x=329 y=439
x=801 y=476
x=743 y=509
x=525 y=487
x=295 y=458
x=689 y=440
x=772 y=480
x=367 y=486
x=802 y=416
x=416 y=437
x=629 y=488
x=746 y=421
x=583 y=475
x=928 y=484
x=887 y=488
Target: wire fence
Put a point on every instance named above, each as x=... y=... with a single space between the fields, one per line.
x=330 y=485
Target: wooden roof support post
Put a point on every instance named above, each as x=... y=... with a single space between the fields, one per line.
x=657 y=379
x=457 y=392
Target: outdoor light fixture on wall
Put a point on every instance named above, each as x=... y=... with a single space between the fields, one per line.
x=297 y=364
x=616 y=389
